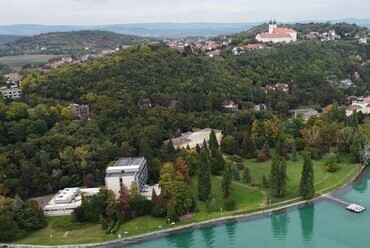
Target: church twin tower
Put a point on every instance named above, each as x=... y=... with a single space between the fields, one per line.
x=272 y=25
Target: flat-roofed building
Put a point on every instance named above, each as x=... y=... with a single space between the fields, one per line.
x=66 y=200
x=13 y=93
x=124 y=172
x=192 y=139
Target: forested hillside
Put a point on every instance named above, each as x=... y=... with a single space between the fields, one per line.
x=44 y=147
x=73 y=43
x=8 y=38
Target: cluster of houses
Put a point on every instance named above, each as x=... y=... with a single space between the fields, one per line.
x=226 y=104
x=211 y=48
x=358 y=104
x=279 y=86
x=325 y=36
x=81 y=59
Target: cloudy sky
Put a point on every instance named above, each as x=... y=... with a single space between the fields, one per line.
x=94 y=12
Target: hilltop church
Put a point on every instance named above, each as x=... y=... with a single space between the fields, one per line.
x=277 y=35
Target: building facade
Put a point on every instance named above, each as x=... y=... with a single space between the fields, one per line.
x=124 y=172
x=192 y=139
x=66 y=200
x=13 y=93
x=79 y=110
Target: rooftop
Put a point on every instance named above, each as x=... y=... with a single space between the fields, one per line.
x=66 y=195
x=128 y=165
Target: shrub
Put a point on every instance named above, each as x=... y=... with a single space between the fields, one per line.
x=246 y=175
x=212 y=204
x=116 y=227
x=261 y=157
x=264 y=182
x=236 y=173
x=229 y=204
x=159 y=211
x=141 y=206
x=331 y=162
x=104 y=224
x=79 y=214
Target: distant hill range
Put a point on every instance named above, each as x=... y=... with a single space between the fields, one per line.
x=170 y=30
x=75 y=42
x=8 y=38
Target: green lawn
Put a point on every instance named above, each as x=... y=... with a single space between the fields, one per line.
x=324 y=181
x=247 y=199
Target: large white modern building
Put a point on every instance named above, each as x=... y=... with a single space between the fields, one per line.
x=124 y=172
x=192 y=139
x=66 y=200
x=277 y=35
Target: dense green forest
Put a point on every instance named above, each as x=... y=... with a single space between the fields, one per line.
x=44 y=147
x=8 y=38
x=72 y=43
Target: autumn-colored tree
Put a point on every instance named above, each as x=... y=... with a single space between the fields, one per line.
x=124 y=196
x=180 y=166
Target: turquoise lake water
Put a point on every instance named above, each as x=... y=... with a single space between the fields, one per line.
x=324 y=224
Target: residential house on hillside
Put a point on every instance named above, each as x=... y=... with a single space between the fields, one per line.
x=255 y=46
x=229 y=105
x=259 y=107
x=363 y=40
x=144 y=103
x=13 y=78
x=360 y=104
x=215 y=53
x=172 y=104
x=79 y=110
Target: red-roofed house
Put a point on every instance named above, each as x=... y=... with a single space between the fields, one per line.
x=254 y=46
x=277 y=35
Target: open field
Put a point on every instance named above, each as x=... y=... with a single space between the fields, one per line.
x=248 y=198
x=16 y=62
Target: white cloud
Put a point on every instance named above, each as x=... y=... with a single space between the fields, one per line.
x=92 y=12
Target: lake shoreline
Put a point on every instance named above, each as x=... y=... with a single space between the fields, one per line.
x=192 y=226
